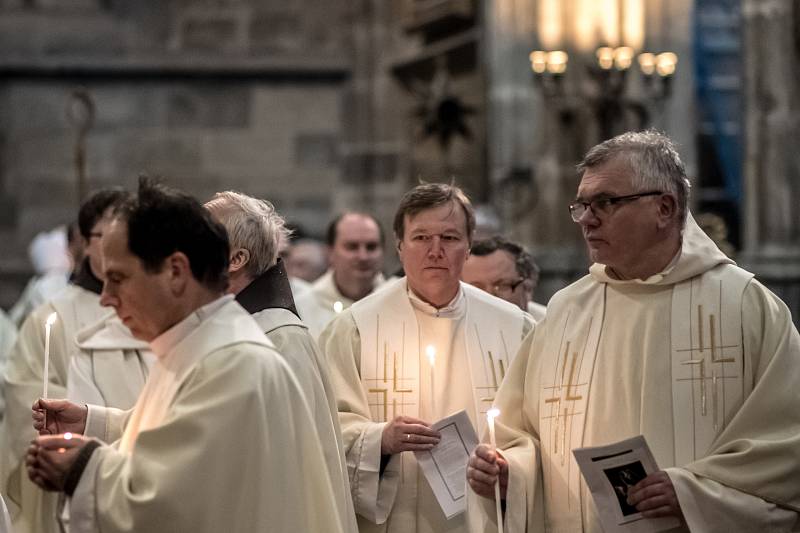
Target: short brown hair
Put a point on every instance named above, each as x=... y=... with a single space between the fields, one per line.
x=428 y=196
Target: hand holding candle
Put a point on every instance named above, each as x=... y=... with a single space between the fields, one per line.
x=491 y=414
x=430 y=352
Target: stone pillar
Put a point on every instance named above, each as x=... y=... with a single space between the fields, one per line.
x=772 y=161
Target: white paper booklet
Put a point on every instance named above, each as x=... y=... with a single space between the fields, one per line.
x=610 y=471
x=445 y=466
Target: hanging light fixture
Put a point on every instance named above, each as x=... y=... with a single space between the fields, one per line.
x=608 y=38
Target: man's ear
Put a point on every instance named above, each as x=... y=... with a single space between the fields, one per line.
x=179 y=272
x=667 y=210
x=239 y=258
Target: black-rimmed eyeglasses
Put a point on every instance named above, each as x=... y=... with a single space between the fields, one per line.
x=604 y=206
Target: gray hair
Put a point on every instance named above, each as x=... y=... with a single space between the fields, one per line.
x=251 y=224
x=653 y=159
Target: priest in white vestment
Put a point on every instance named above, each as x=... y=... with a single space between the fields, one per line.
x=261 y=285
x=666 y=338
x=76 y=306
x=355 y=241
x=382 y=378
x=221 y=438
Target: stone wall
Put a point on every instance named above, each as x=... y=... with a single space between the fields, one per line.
x=211 y=95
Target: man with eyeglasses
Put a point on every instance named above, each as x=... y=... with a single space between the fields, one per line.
x=504 y=269
x=388 y=391
x=665 y=337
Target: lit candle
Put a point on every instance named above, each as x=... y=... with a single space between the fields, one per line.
x=67 y=436
x=491 y=414
x=45 y=377
x=430 y=351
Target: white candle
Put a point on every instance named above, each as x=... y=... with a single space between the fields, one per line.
x=430 y=351
x=45 y=377
x=491 y=414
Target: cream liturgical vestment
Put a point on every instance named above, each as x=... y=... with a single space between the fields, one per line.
x=269 y=300
x=221 y=439
x=77 y=306
x=537 y=311
x=319 y=305
x=8 y=336
x=701 y=359
x=110 y=366
x=377 y=353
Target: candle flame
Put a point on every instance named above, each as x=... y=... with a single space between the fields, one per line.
x=493 y=413
x=51 y=319
x=338 y=307
x=67 y=436
x=430 y=352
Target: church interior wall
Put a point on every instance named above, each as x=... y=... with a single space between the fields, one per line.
x=321 y=106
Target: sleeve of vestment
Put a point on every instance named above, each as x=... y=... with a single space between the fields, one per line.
x=106 y=423
x=205 y=471
x=758 y=452
x=711 y=507
x=518 y=442
x=373 y=491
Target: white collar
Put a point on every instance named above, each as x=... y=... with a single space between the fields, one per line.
x=454 y=309
x=164 y=343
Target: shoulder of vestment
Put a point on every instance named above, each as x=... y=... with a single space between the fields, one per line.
x=498 y=304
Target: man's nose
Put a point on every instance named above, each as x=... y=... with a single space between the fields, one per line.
x=435 y=249
x=362 y=253
x=106 y=299
x=588 y=218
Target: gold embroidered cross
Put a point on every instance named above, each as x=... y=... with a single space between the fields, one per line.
x=384 y=392
x=495 y=384
x=715 y=360
x=570 y=395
